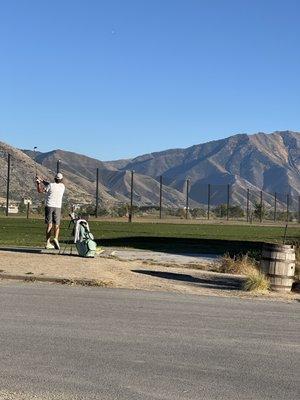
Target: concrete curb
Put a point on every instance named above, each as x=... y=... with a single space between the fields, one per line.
x=62 y=281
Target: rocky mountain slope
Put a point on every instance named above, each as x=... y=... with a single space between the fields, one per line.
x=22 y=178
x=113 y=183
x=268 y=162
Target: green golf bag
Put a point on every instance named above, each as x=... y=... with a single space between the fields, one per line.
x=84 y=239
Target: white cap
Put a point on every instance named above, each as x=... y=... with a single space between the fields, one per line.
x=59 y=176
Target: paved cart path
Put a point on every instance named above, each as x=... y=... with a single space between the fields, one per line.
x=163 y=257
x=130 y=254
x=92 y=343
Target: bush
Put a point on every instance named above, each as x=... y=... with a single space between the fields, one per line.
x=256 y=281
x=259 y=211
x=198 y=212
x=240 y=265
x=233 y=211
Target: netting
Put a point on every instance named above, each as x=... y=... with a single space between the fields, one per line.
x=145 y=198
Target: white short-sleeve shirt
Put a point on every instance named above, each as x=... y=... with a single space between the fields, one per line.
x=54 y=194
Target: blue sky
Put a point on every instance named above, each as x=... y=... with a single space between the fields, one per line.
x=115 y=79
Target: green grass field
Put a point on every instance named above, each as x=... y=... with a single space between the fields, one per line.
x=210 y=238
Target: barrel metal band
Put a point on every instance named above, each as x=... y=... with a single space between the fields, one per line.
x=277 y=259
x=281 y=276
x=279 y=286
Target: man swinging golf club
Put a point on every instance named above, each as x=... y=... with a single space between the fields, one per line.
x=54 y=194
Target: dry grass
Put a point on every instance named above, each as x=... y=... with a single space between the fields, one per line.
x=256 y=282
x=241 y=265
x=94 y=283
x=85 y=282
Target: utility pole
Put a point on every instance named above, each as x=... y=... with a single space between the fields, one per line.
x=261 y=206
x=160 y=196
x=131 y=198
x=248 y=203
x=208 y=201
x=187 y=199
x=228 y=201
x=8 y=183
x=275 y=207
x=97 y=193
x=27 y=210
x=287 y=207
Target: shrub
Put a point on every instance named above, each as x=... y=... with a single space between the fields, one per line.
x=198 y=212
x=256 y=281
x=233 y=211
x=259 y=211
x=241 y=264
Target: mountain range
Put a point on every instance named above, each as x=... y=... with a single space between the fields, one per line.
x=267 y=162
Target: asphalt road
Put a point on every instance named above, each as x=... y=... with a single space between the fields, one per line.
x=60 y=342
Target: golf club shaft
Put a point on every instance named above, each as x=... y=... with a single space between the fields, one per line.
x=34 y=159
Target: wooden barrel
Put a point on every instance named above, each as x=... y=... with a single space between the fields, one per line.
x=278 y=263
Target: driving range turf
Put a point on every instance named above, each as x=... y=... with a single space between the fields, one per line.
x=188 y=238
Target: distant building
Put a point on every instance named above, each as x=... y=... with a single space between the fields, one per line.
x=76 y=207
x=27 y=201
x=13 y=209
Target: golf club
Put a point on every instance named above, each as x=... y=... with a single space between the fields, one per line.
x=34 y=159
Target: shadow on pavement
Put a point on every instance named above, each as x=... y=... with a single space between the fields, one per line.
x=176 y=245
x=33 y=250
x=37 y=250
x=171 y=245
x=224 y=283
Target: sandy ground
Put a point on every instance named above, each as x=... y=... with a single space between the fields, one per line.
x=200 y=260
x=142 y=274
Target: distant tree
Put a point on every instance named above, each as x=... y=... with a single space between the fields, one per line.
x=40 y=209
x=198 y=212
x=236 y=212
x=233 y=211
x=89 y=209
x=102 y=212
x=259 y=211
x=220 y=211
x=281 y=216
x=66 y=208
x=119 y=211
x=174 y=212
x=22 y=208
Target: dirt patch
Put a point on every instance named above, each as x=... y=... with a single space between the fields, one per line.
x=126 y=274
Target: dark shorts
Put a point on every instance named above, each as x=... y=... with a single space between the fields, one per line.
x=52 y=215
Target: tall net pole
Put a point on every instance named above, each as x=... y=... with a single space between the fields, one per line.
x=131 y=198
x=97 y=193
x=8 y=183
x=187 y=199
x=208 y=201
x=160 y=196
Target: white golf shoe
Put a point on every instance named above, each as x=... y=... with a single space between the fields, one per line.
x=56 y=244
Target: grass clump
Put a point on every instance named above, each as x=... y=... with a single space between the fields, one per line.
x=94 y=283
x=240 y=265
x=256 y=282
